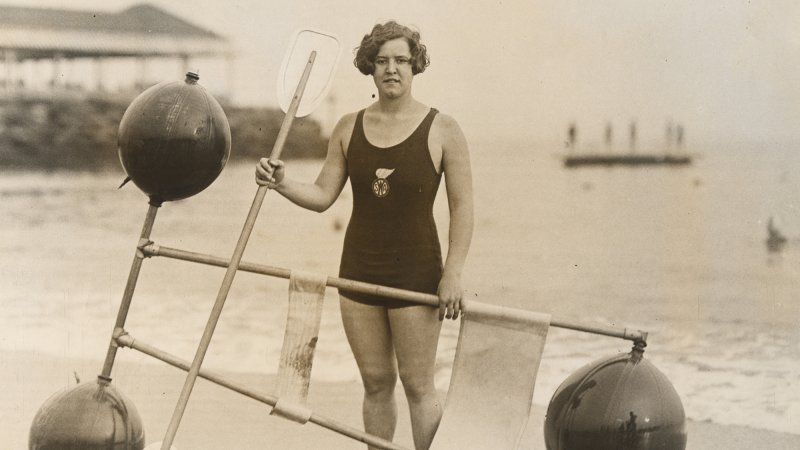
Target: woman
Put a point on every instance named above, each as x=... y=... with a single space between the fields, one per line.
x=394 y=152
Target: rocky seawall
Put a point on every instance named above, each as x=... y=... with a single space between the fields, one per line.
x=39 y=133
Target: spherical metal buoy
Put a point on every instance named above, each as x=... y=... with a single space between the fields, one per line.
x=174 y=140
x=618 y=403
x=90 y=416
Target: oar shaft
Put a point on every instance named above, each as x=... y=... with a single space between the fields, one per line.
x=504 y=312
x=283 y=133
x=213 y=319
x=127 y=296
x=233 y=266
x=125 y=340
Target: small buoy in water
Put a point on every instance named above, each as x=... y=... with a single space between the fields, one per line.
x=775 y=239
x=621 y=402
x=89 y=416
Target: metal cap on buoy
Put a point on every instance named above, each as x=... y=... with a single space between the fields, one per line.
x=90 y=416
x=618 y=403
x=174 y=140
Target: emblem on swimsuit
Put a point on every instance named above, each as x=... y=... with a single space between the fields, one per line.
x=380 y=187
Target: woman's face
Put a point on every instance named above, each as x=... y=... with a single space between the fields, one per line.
x=393 y=75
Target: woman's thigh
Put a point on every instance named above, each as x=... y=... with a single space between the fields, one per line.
x=370 y=338
x=415 y=334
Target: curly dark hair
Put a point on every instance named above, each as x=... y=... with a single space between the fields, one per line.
x=380 y=34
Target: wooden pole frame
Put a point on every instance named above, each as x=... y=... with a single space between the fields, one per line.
x=147 y=248
x=126 y=340
x=504 y=312
x=127 y=296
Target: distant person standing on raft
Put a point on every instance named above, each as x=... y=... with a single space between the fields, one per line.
x=394 y=152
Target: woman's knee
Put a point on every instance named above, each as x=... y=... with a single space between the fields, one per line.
x=417 y=386
x=379 y=381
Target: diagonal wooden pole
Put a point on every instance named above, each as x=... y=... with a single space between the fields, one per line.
x=233 y=266
x=127 y=296
x=126 y=340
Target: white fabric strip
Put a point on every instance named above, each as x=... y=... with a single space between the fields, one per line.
x=491 y=388
x=306 y=295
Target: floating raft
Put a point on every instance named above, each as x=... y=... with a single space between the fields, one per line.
x=626 y=160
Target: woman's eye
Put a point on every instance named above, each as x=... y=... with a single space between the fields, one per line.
x=399 y=61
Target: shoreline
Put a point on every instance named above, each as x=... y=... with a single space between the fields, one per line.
x=219 y=418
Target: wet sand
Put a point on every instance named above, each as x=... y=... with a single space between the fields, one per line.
x=219 y=418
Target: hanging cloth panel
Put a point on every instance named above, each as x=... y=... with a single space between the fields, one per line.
x=491 y=387
x=306 y=296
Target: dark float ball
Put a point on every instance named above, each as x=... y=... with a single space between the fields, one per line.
x=90 y=416
x=619 y=403
x=174 y=140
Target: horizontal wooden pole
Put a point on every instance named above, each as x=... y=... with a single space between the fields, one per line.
x=126 y=340
x=505 y=312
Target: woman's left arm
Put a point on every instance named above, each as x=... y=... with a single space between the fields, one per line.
x=458 y=182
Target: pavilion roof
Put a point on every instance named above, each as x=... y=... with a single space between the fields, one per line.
x=141 y=30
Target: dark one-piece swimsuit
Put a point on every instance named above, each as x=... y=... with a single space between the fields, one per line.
x=391 y=239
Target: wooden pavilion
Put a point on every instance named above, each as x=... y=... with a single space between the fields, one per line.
x=44 y=43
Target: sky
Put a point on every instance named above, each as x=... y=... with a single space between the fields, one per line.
x=525 y=69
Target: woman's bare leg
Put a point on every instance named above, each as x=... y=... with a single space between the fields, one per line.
x=415 y=333
x=368 y=332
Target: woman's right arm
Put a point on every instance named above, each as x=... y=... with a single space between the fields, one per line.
x=319 y=195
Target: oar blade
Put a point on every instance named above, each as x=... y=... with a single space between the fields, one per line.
x=327 y=50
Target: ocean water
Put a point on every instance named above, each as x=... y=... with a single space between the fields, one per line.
x=678 y=252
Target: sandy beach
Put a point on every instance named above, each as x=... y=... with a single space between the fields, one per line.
x=219 y=418
x=723 y=330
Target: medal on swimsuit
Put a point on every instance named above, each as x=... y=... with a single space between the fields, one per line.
x=380 y=187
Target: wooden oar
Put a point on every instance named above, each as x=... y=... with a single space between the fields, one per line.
x=233 y=266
